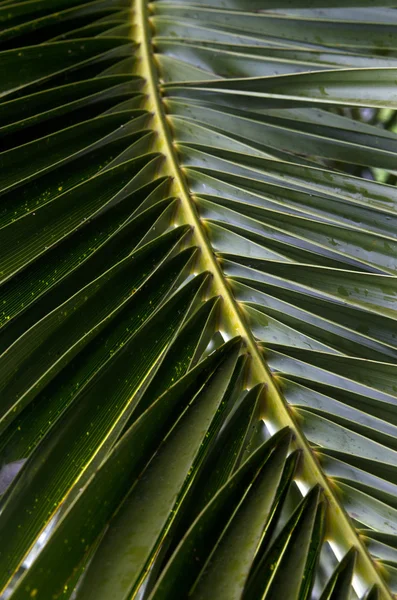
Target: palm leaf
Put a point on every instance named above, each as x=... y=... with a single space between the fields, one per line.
x=198 y=324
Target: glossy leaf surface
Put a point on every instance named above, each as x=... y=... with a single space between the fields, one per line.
x=198 y=381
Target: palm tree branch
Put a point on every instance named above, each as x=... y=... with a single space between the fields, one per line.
x=274 y=407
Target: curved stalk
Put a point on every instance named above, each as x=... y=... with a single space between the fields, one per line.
x=340 y=530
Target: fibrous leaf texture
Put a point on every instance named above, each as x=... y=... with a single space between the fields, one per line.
x=198 y=380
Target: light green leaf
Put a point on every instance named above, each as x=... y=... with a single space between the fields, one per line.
x=198 y=299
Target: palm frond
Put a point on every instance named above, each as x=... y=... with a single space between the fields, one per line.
x=198 y=325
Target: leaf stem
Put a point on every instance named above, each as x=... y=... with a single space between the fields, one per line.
x=340 y=530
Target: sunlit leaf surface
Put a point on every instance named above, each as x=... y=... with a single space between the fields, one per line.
x=198 y=377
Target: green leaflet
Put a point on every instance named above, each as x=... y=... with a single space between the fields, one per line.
x=158 y=496
x=115 y=477
x=94 y=425
x=197 y=308
x=182 y=572
x=339 y=584
x=295 y=551
x=64 y=327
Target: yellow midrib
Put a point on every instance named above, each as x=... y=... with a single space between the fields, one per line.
x=275 y=408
